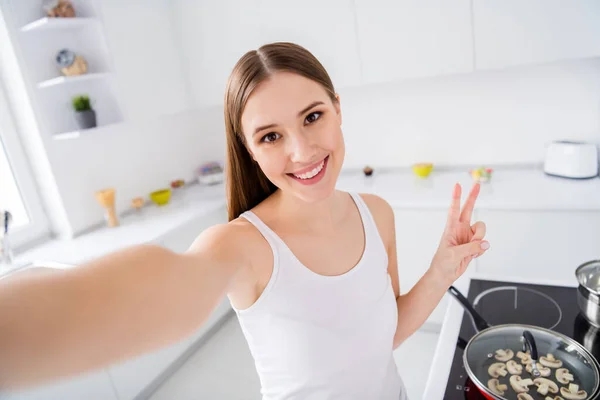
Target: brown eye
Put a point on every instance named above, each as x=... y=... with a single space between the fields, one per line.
x=270 y=137
x=312 y=117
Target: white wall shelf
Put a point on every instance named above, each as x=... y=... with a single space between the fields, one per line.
x=71 y=79
x=57 y=23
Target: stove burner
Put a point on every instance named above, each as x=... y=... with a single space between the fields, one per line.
x=519 y=305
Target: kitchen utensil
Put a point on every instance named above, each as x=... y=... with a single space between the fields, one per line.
x=422 y=169
x=161 y=197
x=480 y=353
x=106 y=198
x=570 y=159
x=588 y=292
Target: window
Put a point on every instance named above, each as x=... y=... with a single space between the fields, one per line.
x=18 y=192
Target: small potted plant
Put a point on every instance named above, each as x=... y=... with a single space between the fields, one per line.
x=84 y=114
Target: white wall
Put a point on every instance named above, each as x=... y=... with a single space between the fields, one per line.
x=497 y=117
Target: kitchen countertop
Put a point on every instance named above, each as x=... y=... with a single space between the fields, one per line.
x=523 y=188
x=145 y=226
x=446 y=345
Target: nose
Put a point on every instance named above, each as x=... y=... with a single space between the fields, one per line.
x=301 y=149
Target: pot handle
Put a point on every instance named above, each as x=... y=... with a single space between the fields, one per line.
x=529 y=345
x=480 y=323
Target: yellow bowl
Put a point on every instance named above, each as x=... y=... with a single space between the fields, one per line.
x=422 y=169
x=161 y=197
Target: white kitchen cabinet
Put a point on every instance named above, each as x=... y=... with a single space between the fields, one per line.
x=93 y=386
x=134 y=376
x=145 y=50
x=539 y=244
x=418 y=234
x=403 y=39
x=516 y=32
x=326 y=28
x=213 y=36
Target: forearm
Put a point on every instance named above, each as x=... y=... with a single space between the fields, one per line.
x=113 y=308
x=417 y=305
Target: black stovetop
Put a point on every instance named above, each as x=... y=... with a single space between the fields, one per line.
x=552 y=307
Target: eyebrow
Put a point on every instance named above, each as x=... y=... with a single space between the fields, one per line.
x=305 y=109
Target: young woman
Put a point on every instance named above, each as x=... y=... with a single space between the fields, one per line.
x=310 y=270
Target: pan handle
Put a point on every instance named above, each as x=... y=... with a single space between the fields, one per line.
x=480 y=323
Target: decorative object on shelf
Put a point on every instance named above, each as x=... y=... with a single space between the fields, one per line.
x=59 y=9
x=161 y=197
x=84 y=114
x=481 y=174
x=106 y=198
x=368 y=171
x=137 y=203
x=70 y=64
x=210 y=173
x=177 y=183
x=422 y=170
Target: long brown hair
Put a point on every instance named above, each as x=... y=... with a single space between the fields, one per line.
x=246 y=184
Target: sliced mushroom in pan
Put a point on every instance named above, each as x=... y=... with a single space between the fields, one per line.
x=573 y=392
x=514 y=368
x=496 y=387
x=525 y=357
x=545 y=385
x=524 y=396
x=563 y=376
x=520 y=385
x=504 y=355
x=544 y=371
x=497 y=369
x=550 y=361
x=553 y=398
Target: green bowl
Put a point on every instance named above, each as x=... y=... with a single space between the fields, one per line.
x=161 y=197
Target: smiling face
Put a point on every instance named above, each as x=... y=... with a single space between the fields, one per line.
x=292 y=130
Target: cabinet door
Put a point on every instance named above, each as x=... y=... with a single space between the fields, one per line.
x=145 y=50
x=94 y=386
x=545 y=245
x=514 y=32
x=326 y=28
x=213 y=36
x=402 y=39
x=418 y=234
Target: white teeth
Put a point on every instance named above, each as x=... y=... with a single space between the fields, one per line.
x=312 y=173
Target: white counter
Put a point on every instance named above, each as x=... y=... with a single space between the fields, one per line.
x=509 y=189
x=523 y=188
x=446 y=346
x=146 y=226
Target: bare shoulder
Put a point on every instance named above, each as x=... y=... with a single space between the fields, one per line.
x=378 y=206
x=226 y=236
x=383 y=214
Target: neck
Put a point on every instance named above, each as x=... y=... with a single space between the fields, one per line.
x=320 y=216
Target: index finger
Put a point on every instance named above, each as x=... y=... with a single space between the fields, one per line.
x=454 y=211
x=467 y=212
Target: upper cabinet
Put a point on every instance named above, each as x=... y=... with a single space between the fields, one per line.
x=146 y=56
x=213 y=35
x=516 y=32
x=403 y=39
x=325 y=28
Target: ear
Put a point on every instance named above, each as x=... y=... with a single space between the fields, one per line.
x=338 y=108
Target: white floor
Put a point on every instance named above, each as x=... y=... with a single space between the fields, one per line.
x=223 y=368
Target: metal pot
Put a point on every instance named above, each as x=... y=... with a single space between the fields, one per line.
x=480 y=354
x=588 y=292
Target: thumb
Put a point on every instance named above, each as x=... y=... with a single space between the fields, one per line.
x=473 y=248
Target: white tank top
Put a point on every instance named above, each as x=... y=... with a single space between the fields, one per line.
x=316 y=337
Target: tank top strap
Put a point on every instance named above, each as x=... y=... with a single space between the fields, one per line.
x=270 y=236
x=370 y=226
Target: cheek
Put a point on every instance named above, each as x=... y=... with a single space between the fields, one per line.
x=271 y=161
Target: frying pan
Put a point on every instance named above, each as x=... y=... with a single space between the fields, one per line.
x=480 y=354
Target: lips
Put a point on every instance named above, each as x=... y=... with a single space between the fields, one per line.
x=314 y=179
